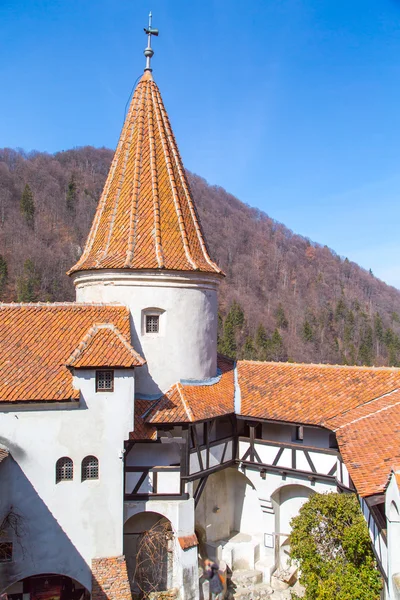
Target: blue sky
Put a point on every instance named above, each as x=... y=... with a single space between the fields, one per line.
x=291 y=105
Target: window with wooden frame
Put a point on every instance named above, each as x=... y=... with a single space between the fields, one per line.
x=64 y=469
x=6 y=551
x=105 y=381
x=90 y=468
x=152 y=323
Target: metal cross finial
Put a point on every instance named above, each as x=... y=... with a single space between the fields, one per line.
x=148 y=52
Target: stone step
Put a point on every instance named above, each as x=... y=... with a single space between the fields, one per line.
x=246 y=578
x=259 y=591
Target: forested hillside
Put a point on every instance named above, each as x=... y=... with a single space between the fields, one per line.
x=284 y=297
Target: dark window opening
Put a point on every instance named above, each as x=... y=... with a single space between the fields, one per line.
x=104 y=381
x=5 y=551
x=152 y=323
x=333 y=441
x=257 y=430
x=90 y=468
x=64 y=469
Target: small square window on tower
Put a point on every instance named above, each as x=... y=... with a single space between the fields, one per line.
x=104 y=381
x=152 y=323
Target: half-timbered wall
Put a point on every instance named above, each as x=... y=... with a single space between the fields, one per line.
x=153 y=468
x=392 y=501
x=376 y=527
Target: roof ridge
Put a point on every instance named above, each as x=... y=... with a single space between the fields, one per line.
x=188 y=410
x=61 y=304
x=377 y=412
x=137 y=168
x=120 y=182
x=324 y=365
x=172 y=182
x=103 y=198
x=175 y=152
x=361 y=405
x=154 y=182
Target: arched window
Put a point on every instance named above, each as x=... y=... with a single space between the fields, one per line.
x=90 y=468
x=64 y=469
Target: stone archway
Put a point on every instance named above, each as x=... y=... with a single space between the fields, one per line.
x=46 y=586
x=148 y=549
x=287 y=501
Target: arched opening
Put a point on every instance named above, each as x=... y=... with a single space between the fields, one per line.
x=149 y=550
x=46 y=586
x=287 y=502
x=394 y=516
x=230 y=518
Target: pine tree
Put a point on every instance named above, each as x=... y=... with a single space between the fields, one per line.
x=27 y=206
x=28 y=283
x=308 y=335
x=236 y=315
x=341 y=309
x=228 y=342
x=249 y=352
x=366 y=352
x=261 y=338
x=277 y=351
x=72 y=195
x=3 y=275
x=281 y=320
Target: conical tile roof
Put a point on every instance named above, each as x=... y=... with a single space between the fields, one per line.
x=146 y=218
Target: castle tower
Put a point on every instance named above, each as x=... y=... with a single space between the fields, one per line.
x=146 y=249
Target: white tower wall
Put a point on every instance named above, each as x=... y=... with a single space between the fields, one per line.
x=186 y=345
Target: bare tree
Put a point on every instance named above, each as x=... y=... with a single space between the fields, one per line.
x=154 y=548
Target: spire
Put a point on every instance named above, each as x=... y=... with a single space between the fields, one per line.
x=148 y=52
x=146 y=217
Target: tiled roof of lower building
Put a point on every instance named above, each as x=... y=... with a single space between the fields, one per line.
x=361 y=404
x=306 y=393
x=142 y=430
x=369 y=441
x=188 y=403
x=36 y=341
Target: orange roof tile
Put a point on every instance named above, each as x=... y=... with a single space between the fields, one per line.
x=361 y=404
x=142 y=430
x=104 y=346
x=369 y=441
x=306 y=393
x=146 y=217
x=189 y=403
x=36 y=341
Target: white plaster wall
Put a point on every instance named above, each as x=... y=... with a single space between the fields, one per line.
x=153 y=454
x=284 y=433
x=291 y=499
x=69 y=523
x=186 y=347
x=228 y=503
x=268 y=492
